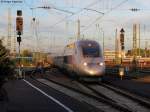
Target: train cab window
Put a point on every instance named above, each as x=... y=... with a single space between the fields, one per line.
x=91 y=51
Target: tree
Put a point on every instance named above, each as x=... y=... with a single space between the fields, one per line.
x=7 y=66
x=26 y=61
x=143 y=52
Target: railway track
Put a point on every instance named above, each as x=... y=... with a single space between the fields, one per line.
x=141 y=100
x=131 y=101
x=109 y=104
x=128 y=102
x=97 y=97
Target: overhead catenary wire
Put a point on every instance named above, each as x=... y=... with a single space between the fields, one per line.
x=73 y=14
x=93 y=3
x=49 y=7
x=94 y=10
x=97 y=19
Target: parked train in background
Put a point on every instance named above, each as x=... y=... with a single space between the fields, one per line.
x=82 y=59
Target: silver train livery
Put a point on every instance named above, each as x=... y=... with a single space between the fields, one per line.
x=82 y=58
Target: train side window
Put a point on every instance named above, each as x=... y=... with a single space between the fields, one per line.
x=65 y=59
x=68 y=59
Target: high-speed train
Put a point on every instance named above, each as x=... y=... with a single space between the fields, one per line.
x=82 y=58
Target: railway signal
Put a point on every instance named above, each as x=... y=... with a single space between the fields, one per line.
x=19 y=24
x=19 y=12
x=19 y=30
x=122 y=43
x=122 y=38
x=19 y=39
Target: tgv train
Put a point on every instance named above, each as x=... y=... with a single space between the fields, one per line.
x=82 y=58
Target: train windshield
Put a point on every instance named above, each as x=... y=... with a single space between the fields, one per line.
x=91 y=52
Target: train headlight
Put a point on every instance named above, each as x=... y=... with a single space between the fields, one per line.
x=85 y=64
x=91 y=72
x=101 y=64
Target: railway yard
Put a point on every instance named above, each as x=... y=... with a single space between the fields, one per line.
x=74 y=56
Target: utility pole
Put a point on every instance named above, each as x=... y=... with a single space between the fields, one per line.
x=78 y=33
x=34 y=25
x=103 y=42
x=116 y=47
x=14 y=46
x=9 y=30
x=146 y=48
x=103 y=35
x=139 y=42
x=134 y=46
x=134 y=41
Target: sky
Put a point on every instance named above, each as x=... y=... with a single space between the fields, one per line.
x=56 y=27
